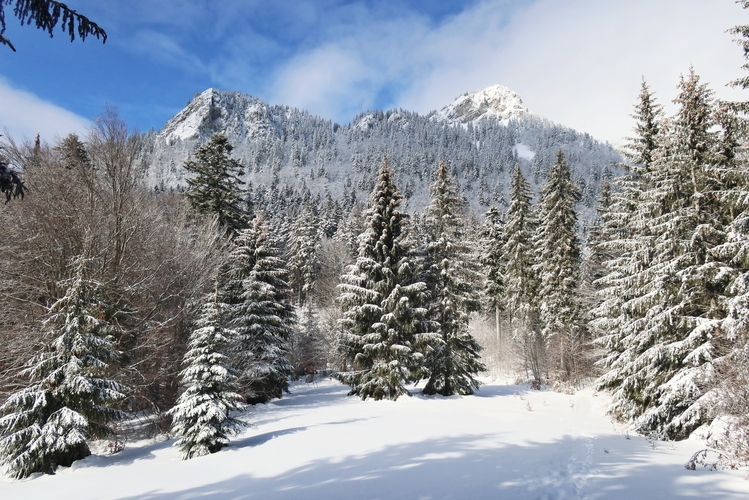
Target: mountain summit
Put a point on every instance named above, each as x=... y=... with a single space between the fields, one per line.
x=291 y=156
x=493 y=103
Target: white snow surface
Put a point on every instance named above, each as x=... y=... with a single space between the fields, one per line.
x=524 y=151
x=186 y=124
x=492 y=103
x=505 y=442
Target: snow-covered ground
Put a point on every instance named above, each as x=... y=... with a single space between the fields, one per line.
x=505 y=442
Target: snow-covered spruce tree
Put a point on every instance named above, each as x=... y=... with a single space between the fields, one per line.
x=626 y=241
x=303 y=250
x=382 y=297
x=663 y=357
x=202 y=419
x=453 y=279
x=520 y=280
x=72 y=397
x=648 y=112
x=492 y=242
x=260 y=312
x=729 y=432
x=214 y=188
x=558 y=270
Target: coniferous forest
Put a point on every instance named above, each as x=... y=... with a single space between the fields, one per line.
x=185 y=305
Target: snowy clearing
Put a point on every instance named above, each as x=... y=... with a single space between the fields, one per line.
x=505 y=442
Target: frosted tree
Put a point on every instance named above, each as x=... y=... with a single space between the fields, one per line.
x=648 y=113
x=260 y=313
x=661 y=359
x=383 y=324
x=71 y=397
x=46 y=15
x=214 y=188
x=202 y=419
x=452 y=364
x=11 y=185
x=303 y=251
x=492 y=242
x=558 y=267
x=626 y=241
x=520 y=279
x=730 y=392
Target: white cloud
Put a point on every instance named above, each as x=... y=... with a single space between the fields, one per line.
x=577 y=62
x=23 y=115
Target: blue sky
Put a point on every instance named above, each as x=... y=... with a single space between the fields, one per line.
x=577 y=62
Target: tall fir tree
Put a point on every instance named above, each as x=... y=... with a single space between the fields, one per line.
x=520 y=279
x=730 y=432
x=72 y=396
x=303 y=250
x=648 y=113
x=214 y=187
x=453 y=364
x=661 y=358
x=202 y=419
x=626 y=241
x=558 y=268
x=260 y=313
x=384 y=319
x=492 y=242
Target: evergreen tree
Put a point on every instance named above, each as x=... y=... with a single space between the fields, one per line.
x=214 y=187
x=639 y=149
x=303 y=248
x=11 y=184
x=492 y=242
x=46 y=14
x=260 y=313
x=520 y=279
x=71 y=398
x=661 y=358
x=731 y=381
x=558 y=265
x=626 y=241
x=452 y=364
x=201 y=417
x=382 y=300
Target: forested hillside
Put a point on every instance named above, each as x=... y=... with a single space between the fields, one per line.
x=291 y=156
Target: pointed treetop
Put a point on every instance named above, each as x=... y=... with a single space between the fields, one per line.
x=648 y=113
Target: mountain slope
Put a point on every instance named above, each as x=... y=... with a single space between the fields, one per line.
x=481 y=135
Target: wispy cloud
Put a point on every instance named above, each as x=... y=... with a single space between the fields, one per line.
x=578 y=62
x=165 y=49
x=23 y=115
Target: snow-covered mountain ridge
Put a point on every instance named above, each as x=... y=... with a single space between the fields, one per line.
x=482 y=135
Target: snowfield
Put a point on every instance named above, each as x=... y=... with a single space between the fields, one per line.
x=505 y=442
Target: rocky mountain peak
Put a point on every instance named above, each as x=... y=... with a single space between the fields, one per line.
x=235 y=114
x=492 y=103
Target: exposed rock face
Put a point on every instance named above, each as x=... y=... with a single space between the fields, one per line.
x=213 y=111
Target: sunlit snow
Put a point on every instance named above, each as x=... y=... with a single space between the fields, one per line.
x=505 y=442
x=492 y=103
